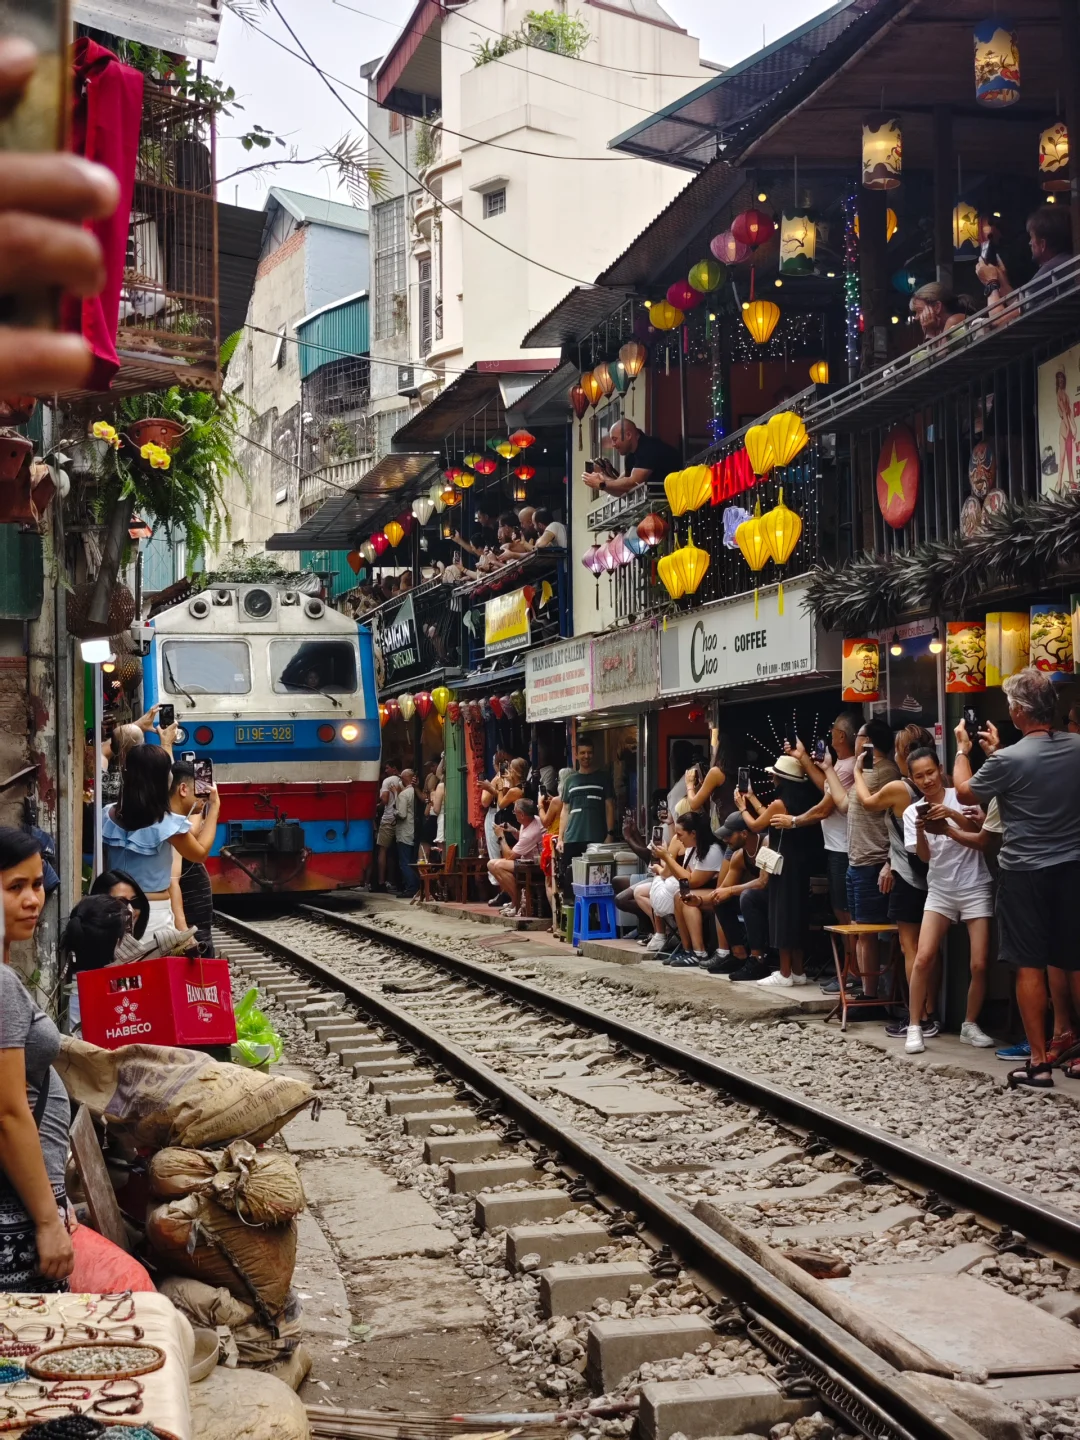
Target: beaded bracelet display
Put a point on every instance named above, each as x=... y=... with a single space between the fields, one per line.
x=100 y=1361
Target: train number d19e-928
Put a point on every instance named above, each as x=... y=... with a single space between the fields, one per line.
x=278 y=691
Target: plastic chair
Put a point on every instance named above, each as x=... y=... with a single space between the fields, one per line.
x=602 y=899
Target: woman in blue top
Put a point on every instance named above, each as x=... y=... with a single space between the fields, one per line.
x=141 y=832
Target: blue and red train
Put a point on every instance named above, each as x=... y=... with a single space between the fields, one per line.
x=278 y=690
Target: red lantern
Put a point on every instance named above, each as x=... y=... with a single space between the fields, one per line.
x=486 y=466
x=453 y=711
x=579 y=400
x=424 y=703
x=652 y=529
x=683 y=296
x=356 y=561
x=393 y=710
x=522 y=439
x=496 y=707
x=379 y=543
x=524 y=472
x=753 y=228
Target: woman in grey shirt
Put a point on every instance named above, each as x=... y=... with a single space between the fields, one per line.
x=36 y=1254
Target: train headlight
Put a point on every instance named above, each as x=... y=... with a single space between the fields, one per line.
x=325 y=733
x=181 y=735
x=350 y=732
x=203 y=735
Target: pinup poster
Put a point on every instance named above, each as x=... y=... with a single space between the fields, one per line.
x=1059 y=422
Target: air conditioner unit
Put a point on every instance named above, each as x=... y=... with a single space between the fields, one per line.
x=258 y=602
x=406 y=380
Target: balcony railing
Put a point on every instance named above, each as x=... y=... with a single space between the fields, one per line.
x=548 y=619
x=331 y=480
x=417 y=633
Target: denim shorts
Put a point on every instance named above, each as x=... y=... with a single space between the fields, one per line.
x=866 y=903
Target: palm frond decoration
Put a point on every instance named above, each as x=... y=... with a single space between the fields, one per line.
x=352 y=161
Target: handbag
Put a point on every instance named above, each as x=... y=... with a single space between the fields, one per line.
x=770 y=860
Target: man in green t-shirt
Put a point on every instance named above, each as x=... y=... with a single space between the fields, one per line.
x=588 y=813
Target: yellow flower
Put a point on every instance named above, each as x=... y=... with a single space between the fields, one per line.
x=104 y=431
x=161 y=460
x=149 y=450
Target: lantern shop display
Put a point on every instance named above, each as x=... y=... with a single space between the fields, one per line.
x=882 y=152
x=798 y=245
x=1050 y=640
x=997 y=63
x=1054 y=157
x=1007 y=644
x=664 y=316
x=965 y=657
x=782 y=527
x=861 y=671
x=688 y=489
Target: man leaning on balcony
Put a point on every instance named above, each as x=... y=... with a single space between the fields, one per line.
x=1050 y=237
x=644 y=458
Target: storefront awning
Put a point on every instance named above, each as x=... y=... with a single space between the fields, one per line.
x=485 y=390
x=339 y=523
x=574 y=316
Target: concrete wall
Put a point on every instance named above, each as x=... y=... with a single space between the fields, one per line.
x=336 y=264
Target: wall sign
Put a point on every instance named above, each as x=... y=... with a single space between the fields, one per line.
x=625 y=666
x=724 y=645
x=398 y=642
x=506 y=623
x=1059 y=421
x=558 y=680
x=898 y=476
x=861 y=671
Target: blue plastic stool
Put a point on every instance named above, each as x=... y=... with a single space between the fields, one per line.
x=602 y=898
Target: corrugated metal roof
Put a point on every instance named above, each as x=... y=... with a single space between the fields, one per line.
x=311 y=209
x=332 y=333
x=239 y=245
x=183 y=27
x=343 y=519
x=575 y=315
x=690 y=132
x=468 y=396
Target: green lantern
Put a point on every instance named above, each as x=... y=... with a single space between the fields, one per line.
x=707 y=276
x=619 y=377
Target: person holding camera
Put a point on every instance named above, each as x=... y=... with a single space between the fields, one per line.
x=644 y=458
x=739 y=904
x=959 y=890
x=527 y=841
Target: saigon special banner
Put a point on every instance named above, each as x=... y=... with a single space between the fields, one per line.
x=506 y=623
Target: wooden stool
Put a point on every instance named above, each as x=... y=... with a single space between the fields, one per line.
x=530 y=877
x=847 y=967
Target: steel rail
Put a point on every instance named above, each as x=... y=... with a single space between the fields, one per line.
x=1045 y=1225
x=913 y=1414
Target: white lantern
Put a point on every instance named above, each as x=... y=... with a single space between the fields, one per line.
x=965 y=228
x=423 y=508
x=882 y=151
x=1054 y=157
x=798 y=244
x=435 y=495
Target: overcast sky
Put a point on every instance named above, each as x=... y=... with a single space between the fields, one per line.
x=284 y=95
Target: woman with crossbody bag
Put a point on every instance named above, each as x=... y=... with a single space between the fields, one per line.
x=36 y=1253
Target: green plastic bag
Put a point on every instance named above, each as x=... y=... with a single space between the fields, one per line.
x=257 y=1042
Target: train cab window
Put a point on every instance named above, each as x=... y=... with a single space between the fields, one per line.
x=316 y=666
x=206 y=667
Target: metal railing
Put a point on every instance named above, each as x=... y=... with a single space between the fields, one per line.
x=331 y=480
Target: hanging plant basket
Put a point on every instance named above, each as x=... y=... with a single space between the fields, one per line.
x=15 y=452
x=17 y=409
x=156 y=431
x=17 y=499
x=121 y=612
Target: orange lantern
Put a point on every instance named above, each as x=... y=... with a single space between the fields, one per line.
x=356 y=561
x=761 y=318
x=591 y=387
x=384 y=715
x=633 y=356
x=522 y=439
x=524 y=472
x=604 y=379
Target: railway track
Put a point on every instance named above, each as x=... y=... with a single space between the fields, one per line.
x=456 y=1047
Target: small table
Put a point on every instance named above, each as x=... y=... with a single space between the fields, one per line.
x=847 y=967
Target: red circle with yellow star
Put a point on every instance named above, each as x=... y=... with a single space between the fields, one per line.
x=898 y=472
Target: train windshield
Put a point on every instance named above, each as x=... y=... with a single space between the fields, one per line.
x=326 y=667
x=206 y=667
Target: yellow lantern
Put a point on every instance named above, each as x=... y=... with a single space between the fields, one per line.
x=440 y=698
x=690 y=564
x=671 y=576
x=1054 y=157
x=394 y=533
x=787 y=436
x=750 y=538
x=633 y=356
x=463 y=479
x=782 y=528
x=688 y=489
x=882 y=152
x=664 y=316
x=591 y=385
x=759 y=448
x=965 y=227
x=819 y=372
x=407 y=706
x=673 y=489
x=604 y=378
x=509 y=451
x=761 y=318
x=473 y=460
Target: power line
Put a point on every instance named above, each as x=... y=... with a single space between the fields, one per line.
x=501 y=244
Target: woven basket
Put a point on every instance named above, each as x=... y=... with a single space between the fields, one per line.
x=121 y=612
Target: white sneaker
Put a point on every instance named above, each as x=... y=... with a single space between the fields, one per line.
x=785 y=982
x=913 y=1045
x=970 y=1034
x=656 y=943
x=798 y=980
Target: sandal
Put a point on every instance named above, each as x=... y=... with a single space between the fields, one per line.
x=1071 y=1070
x=1063 y=1047
x=1035 y=1077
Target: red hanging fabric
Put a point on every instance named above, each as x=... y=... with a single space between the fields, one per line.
x=106 y=123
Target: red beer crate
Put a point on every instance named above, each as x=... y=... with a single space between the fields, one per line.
x=171 y=1001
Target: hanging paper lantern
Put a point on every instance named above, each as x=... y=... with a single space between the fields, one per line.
x=473 y=460
x=652 y=529
x=997 y=63
x=384 y=715
x=604 y=378
x=393 y=710
x=579 y=401
x=691 y=564
x=750 y=538
x=380 y=542
x=619 y=378
x=665 y=316
x=424 y=703
x=453 y=712
x=440 y=698
x=966 y=230
x=449 y=496
x=882 y=152
x=494 y=704
x=635 y=544
x=683 y=296
x=453 y=473
x=671 y=577
x=423 y=508
x=759 y=449
x=368 y=551
x=688 y=489
x=753 y=228
x=787 y=436
x=517 y=699
x=798 y=244
x=407 y=706
x=463 y=479
x=592 y=561
x=524 y=472
x=620 y=551
x=435 y=495
x=355 y=561
x=522 y=439
x=591 y=386
x=819 y=372
x=782 y=528
x=494 y=442
x=486 y=466
x=518 y=493
x=707 y=276
x=608 y=558
x=728 y=250
x=761 y=318
x=633 y=357
x=1054 y=157
x=446 y=527
x=394 y=533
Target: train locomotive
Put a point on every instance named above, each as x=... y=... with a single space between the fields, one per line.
x=278 y=691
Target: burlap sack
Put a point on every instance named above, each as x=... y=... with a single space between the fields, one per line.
x=157 y=1095
x=196 y=1237
x=263 y=1187
x=214 y=1307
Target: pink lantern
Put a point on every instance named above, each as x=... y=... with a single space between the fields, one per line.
x=592 y=560
x=608 y=558
x=728 y=250
x=393 y=710
x=508 y=709
x=683 y=295
x=618 y=547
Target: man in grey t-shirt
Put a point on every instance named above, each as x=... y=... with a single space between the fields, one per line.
x=1036 y=783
